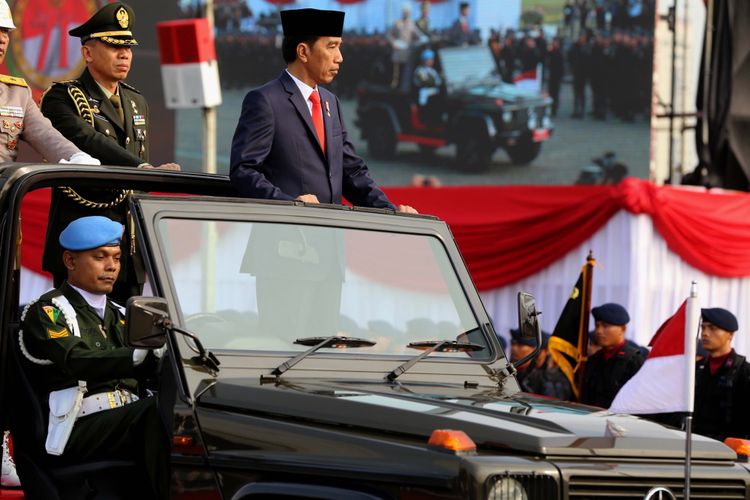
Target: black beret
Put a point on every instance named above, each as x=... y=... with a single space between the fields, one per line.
x=312 y=22
x=611 y=313
x=515 y=336
x=111 y=24
x=721 y=318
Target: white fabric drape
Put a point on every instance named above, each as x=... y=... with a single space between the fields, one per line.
x=634 y=268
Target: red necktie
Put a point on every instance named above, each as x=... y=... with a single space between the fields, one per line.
x=317 y=118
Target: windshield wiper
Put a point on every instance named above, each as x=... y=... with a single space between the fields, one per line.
x=431 y=346
x=319 y=343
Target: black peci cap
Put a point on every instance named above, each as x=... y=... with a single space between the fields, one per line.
x=111 y=24
x=312 y=22
x=611 y=313
x=721 y=318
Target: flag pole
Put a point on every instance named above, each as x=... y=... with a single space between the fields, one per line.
x=583 y=327
x=691 y=328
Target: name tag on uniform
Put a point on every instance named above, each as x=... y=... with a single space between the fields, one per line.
x=139 y=120
x=14 y=111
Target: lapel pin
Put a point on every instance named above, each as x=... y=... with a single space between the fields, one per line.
x=328 y=110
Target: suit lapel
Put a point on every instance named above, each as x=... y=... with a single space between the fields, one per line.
x=295 y=96
x=127 y=108
x=325 y=103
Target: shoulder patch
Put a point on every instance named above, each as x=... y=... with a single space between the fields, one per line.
x=13 y=80
x=130 y=87
x=58 y=334
x=52 y=313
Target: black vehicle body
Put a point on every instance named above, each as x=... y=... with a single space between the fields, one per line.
x=332 y=425
x=473 y=109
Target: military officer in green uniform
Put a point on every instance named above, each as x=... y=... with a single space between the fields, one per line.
x=107 y=118
x=72 y=338
x=20 y=118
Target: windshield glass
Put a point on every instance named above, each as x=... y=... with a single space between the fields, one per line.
x=260 y=286
x=462 y=65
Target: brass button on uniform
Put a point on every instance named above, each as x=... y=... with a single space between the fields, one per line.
x=127 y=140
x=106 y=131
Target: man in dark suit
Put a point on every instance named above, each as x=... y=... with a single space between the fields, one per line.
x=291 y=142
x=108 y=119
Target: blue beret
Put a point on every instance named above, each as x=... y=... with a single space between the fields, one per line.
x=427 y=54
x=721 y=318
x=91 y=232
x=614 y=314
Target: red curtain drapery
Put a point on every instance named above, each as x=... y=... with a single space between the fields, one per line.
x=509 y=232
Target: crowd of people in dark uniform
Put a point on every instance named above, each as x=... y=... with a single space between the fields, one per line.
x=610 y=59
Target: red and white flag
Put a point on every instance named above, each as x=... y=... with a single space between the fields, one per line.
x=666 y=381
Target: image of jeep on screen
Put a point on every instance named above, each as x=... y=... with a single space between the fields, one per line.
x=471 y=107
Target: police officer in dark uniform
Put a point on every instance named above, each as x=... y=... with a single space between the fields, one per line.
x=722 y=380
x=543 y=377
x=616 y=361
x=73 y=340
x=520 y=347
x=106 y=118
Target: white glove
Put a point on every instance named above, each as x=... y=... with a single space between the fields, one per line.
x=139 y=355
x=81 y=158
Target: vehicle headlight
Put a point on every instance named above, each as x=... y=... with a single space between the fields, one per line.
x=507 y=116
x=507 y=488
x=531 y=122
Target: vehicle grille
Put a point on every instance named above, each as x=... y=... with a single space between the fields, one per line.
x=596 y=487
x=537 y=486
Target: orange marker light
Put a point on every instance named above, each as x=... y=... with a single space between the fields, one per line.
x=182 y=441
x=740 y=446
x=450 y=440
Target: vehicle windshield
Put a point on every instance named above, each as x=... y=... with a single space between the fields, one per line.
x=465 y=65
x=261 y=286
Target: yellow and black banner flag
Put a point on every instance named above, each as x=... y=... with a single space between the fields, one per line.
x=569 y=342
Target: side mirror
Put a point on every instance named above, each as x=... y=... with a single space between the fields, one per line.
x=528 y=316
x=528 y=324
x=145 y=322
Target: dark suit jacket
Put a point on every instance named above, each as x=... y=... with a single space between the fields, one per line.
x=108 y=140
x=276 y=155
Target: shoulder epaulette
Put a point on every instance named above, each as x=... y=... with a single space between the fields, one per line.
x=130 y=87
x=68 y=83
x=13 y=80
x=63 y=83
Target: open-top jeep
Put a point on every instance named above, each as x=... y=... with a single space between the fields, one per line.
x=330 y=352
x=473 y=109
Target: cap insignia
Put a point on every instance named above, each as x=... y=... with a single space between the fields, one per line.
x=122 y=17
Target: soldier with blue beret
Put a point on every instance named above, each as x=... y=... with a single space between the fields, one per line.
x=615 y=362
x=722 y=380
x=73 y=337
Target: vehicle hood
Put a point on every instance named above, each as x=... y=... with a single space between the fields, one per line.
x=522 y=423
x=498 y=90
